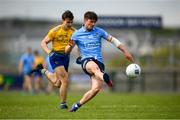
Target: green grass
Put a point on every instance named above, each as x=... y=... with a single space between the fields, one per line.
x=14 y=105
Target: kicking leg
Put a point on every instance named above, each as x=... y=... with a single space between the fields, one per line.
x=94 y=69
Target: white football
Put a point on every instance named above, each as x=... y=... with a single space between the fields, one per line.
x=133 y=70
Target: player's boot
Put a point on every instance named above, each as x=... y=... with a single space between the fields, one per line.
x=63 y=105
x=75 y=107
x=107 y=80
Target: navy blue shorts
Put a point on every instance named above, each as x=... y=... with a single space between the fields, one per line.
x=86 y=60
x=58 y=59
x=37 y=74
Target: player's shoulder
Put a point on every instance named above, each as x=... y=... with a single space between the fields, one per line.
x=56 y=28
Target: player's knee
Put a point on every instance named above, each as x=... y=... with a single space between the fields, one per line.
x=64 y=81
x=97 y=88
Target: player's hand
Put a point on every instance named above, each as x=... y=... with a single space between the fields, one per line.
x=69 y=47
x=71 y=43
x=129 y=57
x=78 y=60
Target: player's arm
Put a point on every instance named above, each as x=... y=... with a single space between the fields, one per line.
x=44 y=45
x=69 y=47
x=121 y=47
x=78 y=59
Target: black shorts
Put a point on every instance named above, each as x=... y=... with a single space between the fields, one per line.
x=86 y=60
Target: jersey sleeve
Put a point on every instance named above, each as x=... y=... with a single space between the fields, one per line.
x=51 y=34
x=74 y=36
x=104 y=34
x=22 y=59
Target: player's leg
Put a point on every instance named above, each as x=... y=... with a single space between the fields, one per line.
x=37 y=83
x=96 y=87
x=28 y=83
x=51 y=77
x=62 y=75
x=60 y=63
x=96 y=68
x=55 y=60
x=24 y=84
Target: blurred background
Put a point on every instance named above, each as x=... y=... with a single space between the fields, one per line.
x=149 y=28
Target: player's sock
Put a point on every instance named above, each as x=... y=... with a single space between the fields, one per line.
x=75 y=107
x=44 y=71
x=63 y=105
x=107 y=80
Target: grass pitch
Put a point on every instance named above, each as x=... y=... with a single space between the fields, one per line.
x=14 y=105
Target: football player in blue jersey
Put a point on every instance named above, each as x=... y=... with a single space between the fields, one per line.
x=88 y=39
x=25 y=68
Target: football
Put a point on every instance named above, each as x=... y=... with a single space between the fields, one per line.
x=133 y=70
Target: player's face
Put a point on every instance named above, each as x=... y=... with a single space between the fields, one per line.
x=67 y=23
x=89 y=24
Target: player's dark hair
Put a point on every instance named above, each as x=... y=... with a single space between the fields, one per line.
x=91 y=15
x=67 y=14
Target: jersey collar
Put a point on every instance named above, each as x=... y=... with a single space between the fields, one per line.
x=85 y=30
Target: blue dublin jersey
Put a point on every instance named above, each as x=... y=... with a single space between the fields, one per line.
x=89 y=42
x=27 y=60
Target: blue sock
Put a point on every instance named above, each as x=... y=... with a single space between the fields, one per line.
x=78 y=104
